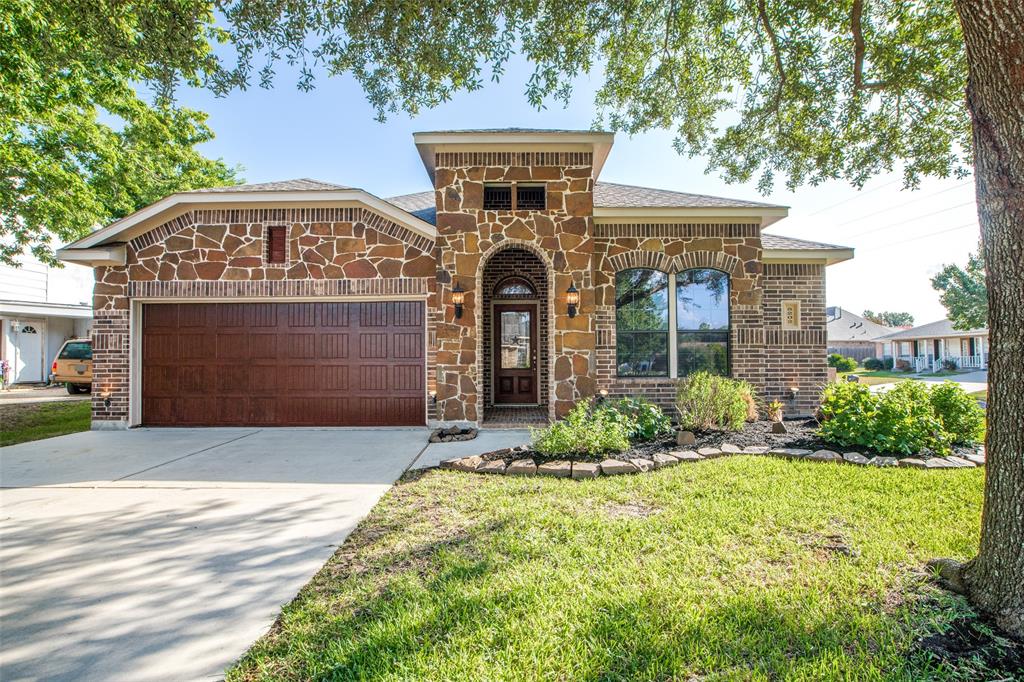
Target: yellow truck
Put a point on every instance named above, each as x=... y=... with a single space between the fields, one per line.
x=73 y=366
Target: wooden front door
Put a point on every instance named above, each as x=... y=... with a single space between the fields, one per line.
x=515 y=353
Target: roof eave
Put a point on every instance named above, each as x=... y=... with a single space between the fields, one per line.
x=766 y=215
x=829 y=256
x=200 y=199
x=114 y=254
x=428 y=142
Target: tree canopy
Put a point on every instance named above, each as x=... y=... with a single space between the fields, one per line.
x=964 y=293
x=889 y=318
x=79 y=146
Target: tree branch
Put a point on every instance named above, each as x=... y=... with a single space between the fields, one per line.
x=859 y=49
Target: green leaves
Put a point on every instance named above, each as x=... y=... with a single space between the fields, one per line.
x=964 y=293
x=78 y=146
x=585 y=431
x=908 y=418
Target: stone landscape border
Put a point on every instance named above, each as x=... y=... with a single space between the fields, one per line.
x=526 y=466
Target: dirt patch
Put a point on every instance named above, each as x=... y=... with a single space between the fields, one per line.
x=976 y=649
x=634 y=510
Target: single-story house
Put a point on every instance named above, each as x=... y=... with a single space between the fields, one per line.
x=927 y=346
x=41 y=307
x=851 y=335
x=520 y=282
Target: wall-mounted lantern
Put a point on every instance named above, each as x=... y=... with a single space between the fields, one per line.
x=458 y=298
x=572 y=299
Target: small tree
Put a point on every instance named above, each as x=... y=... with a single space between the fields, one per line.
x=890 y=319
x=964 y=293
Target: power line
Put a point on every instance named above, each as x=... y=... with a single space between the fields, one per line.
x=923 y=236
x=905 y=203
x=908 y=220
x=855 y=196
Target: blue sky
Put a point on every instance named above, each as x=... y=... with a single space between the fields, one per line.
x=902 y=238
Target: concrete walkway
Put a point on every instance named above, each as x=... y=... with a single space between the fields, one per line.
x=162 y=554
x=972 y=382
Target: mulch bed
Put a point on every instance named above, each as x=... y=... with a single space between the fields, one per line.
x=801 y=433
x=972 y=644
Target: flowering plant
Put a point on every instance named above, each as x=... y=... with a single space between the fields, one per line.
x=5 y=368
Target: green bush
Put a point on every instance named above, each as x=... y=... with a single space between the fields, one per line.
x=648 y=420
x=873 y=364
x=708 y=401
x=906 y=422
x=842 y=363
x=585 y=431
x=907 y=419
x=961 y=416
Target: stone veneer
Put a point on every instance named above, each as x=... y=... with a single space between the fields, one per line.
x=222 y=254
x=468 y=237
x=353 y=251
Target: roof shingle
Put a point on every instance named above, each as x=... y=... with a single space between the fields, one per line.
x=296 y=185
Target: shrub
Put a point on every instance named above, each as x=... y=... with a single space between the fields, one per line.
x=649 y=421
x=950 y=365
x=959 y=413
x=774 y=410
x=841 y=363
x=708 y=401
x=906 y=422
x=873 y=364
x=901 y=420
x=585 y=431
x=847 y=412
x=903 y=366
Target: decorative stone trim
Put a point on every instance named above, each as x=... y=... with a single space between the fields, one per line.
x=525 y=466
x=655 y=260
x=719 y=260
x=677 y=230
x=411 y=286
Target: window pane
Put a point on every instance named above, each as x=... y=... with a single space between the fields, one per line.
x=514 y=286
x=703 y=351
x=642 y=354
x=81 y=350
x=641 y=300
x=515 y=339
x=702 y=300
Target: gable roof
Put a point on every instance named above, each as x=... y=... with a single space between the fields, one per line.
x=296 y=185
x=846 y=326
x=105 y=246
x=938 y=329
x=616 y=195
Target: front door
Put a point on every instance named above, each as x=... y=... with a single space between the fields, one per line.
x=515 y=353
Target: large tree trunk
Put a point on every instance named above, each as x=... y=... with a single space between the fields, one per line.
x=994 y=35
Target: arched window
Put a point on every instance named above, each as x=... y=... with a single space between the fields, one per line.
x=641 y=323
x=514 y=287
x=702 y=321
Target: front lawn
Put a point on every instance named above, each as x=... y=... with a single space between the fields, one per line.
x=35 y=421
x=881 y=376
x=739 y=568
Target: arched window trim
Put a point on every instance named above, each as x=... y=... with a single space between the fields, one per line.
x=514 y=279
x=674 y=334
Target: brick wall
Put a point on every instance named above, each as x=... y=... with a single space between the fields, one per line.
x=795 y=358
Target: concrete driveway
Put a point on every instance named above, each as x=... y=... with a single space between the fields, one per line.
x=162 y=554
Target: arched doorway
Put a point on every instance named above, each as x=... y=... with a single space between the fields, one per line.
x=514 y=337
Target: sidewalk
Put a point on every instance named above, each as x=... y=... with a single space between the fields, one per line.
x=972 y=382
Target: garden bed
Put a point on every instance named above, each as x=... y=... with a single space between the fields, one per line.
x=801 y=435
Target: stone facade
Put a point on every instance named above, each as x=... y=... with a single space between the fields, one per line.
x=222 y=254
x=468 y=237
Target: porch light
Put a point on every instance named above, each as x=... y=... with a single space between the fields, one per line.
x=572 y=298
x=458 y=298
x=433 y=397
x=793 y=392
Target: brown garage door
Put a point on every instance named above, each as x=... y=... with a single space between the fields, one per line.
x=283 y=364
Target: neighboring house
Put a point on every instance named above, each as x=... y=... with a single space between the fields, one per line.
x=518 y=281
x=851 y=335
x=40 y=308
x=927 y=346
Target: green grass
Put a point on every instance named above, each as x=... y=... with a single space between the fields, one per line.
x=35 y=421
x=881 y=376
x=734 y=569
x=981 y=395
